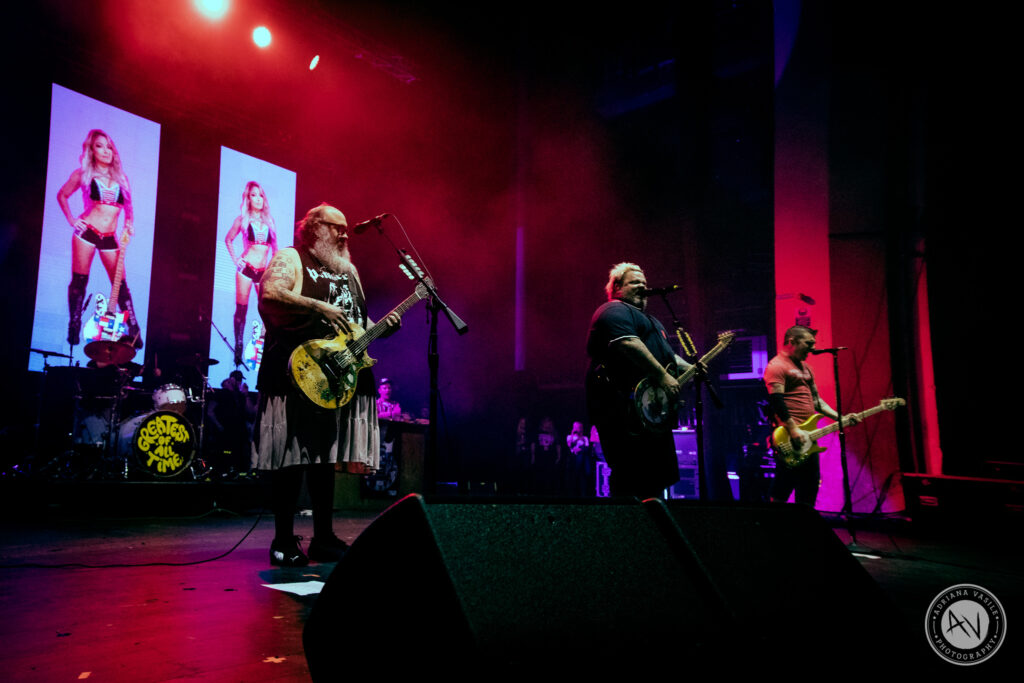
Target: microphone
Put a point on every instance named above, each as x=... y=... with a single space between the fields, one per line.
x=835 y=349
x=657 y=291
x=360 y=228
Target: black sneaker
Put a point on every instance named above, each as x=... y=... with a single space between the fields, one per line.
x=288 y=553
x=327 y=548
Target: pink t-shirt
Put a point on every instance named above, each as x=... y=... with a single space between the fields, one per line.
x=797 y=381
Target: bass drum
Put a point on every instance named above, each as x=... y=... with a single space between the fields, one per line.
x=170 y=397
x=162 y=443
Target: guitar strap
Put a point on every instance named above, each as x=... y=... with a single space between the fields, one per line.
x=814 y=394
x=812 y=385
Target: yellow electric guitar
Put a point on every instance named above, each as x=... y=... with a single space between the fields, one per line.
x=788 y=456
x=327 y=370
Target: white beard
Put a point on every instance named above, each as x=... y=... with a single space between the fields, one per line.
x=335 y=257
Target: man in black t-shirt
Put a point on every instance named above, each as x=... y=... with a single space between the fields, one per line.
x=625 y=345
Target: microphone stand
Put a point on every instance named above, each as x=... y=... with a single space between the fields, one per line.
x=700 y=381
x=435 y=305
x=847 y=511
x=221 y=335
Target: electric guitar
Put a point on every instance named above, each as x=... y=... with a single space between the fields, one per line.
x=652 y=406
x=111 y=325
x=327 y=370
x=788 y=456
x=252 y=356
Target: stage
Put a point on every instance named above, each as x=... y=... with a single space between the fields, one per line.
x=115 y=596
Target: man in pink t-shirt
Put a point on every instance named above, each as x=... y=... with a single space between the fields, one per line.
x=793 y=397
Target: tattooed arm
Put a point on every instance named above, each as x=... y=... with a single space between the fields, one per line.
x=282 y=292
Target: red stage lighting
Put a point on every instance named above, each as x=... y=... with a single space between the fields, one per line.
x=261 y=36
x=212 y=9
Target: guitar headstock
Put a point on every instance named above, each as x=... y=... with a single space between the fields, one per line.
x=893 y=403
x=726 y=337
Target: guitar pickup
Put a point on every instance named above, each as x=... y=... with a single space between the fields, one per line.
x=328 y=368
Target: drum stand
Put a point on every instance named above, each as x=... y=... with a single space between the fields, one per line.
x=112 y=438
x=111 y=463
x=56 y=459
x=199 y=467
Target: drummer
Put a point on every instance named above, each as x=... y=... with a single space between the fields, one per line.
x=114 y=359
x=133 y=369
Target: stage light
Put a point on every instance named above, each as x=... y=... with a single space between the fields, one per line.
x=212 y=9
x=261 y=36
x=312 y=64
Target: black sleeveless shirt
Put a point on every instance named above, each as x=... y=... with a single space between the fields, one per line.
x=300 y=325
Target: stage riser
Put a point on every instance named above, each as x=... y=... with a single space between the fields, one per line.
x=964 y=502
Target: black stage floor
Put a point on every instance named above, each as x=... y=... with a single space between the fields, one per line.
x=107 y=594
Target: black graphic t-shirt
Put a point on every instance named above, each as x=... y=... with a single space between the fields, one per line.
x=296 y=327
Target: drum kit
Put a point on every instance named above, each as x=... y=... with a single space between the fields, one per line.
x=111 y=429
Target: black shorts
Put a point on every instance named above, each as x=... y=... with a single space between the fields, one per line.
x=102 y=242
x=254 y=274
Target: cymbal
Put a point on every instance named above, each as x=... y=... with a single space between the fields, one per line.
x=49 y=353
x=197 y=361
x=110 y=352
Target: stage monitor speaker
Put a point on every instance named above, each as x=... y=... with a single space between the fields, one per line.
x=608 y=585
x=792 y=588
x=437 y=586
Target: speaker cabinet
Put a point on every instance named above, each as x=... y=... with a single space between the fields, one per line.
x=788 y=582
x=589 y=587
x=521 y=585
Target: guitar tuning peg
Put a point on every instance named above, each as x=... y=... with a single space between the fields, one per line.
x=406 y=271
x=412 y=264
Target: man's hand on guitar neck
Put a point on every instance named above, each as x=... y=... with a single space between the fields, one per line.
x=392 y=322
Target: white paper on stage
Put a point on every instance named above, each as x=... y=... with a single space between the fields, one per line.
x=299 y=588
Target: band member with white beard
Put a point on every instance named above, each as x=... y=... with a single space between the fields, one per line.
x=308 y=292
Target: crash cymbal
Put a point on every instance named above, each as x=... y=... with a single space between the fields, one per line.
x=110 y=352
x=49 y=353
x=196 y=360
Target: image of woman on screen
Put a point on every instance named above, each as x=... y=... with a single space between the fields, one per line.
x=105 y=195
x=259 y=242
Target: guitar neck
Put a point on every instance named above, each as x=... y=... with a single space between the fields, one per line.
x=828 y=429
x=115 y=287
x=706 y=358
x=374 y=332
